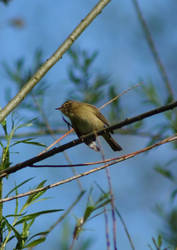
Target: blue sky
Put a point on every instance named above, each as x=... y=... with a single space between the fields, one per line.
x=124 y=54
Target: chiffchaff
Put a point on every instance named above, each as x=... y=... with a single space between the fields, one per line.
x=86 y=118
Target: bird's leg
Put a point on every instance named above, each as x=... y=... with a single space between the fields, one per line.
x=93 y=143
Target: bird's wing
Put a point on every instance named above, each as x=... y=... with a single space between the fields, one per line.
x=99 y=115
x=102 y=118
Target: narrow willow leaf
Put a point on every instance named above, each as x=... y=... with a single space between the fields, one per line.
x=44 y=233
x=28 y=141
x=10 y=227
x=164 y=172
x=35 y=242
x=103 y=204
x=89 y=210
x=17 y=186
x=33 y=197
x=35 y=215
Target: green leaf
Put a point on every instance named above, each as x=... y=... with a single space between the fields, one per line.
x=89 y=210
x=73 y=77
x=14 y=215
x=103 y=204
x=25 y=232
x=5 y=161
x=33 y=197
x=33 y=216
x=159 y=240
x=164 y=172
x=17 y=186
x=44 y=233
x=169 y=99
x=35 y=242
x=16 y=202
x=102 y=198
x=26 y=124
x=28 y=141
x=10 y=227
x=4 y=125
x=174 y=193
x=2 y=145
x=30 y=224
x=74 y=56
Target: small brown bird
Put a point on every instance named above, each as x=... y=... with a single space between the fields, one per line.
x=86 y=118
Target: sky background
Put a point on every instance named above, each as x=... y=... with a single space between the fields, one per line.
x=124 y=55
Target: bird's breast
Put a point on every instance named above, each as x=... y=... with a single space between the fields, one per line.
x=86 y=123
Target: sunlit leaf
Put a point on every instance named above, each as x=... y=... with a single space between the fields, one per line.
x=35 y=242
x=17 y=186
x=88 y=212
x=28 y=141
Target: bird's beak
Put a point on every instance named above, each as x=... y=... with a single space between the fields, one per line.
x=59 y=108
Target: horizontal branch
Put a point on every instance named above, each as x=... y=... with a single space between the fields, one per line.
x=119 y=159
x=68 y=145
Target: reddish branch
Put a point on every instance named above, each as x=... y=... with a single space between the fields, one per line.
x=119 y=159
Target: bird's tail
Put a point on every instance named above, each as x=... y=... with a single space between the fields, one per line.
x=112 y=143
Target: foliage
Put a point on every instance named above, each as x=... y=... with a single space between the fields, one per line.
x=19 y=228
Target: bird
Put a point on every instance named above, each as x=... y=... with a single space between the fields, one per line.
x=86 y=118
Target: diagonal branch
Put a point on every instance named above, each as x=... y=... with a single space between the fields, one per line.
x=119 y=159
x=73 y=143
x=53 y=59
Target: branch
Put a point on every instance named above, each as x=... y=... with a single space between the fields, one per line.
x=68 y=145
x=119 y=159
x=53 y=59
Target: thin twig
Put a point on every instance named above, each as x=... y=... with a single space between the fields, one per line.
x=155 y=244
x=112 y=209
x=56 y=141
x=125 y=228
x=112 y=199
x=107 y=229
x=68 y=145
x=118 y=96
x=122 y=158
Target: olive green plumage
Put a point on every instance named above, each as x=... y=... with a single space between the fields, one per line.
x=86 y=118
